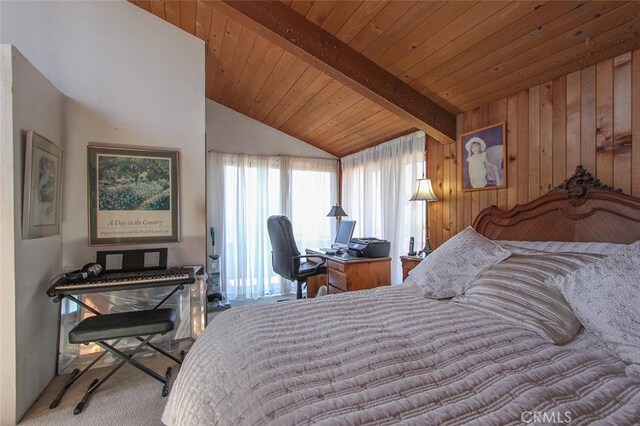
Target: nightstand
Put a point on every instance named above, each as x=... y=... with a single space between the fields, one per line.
x=408 y=263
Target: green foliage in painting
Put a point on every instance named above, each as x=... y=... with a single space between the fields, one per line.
x=133 y=183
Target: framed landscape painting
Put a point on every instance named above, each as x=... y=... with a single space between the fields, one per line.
x=42 y=188
x=484 y=154
x=133 y=195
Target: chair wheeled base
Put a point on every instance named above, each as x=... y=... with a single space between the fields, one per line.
x=100 y=328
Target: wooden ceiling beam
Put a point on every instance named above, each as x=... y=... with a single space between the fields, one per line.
x=283 y=26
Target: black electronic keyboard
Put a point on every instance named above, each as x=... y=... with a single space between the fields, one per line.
x=113 y=281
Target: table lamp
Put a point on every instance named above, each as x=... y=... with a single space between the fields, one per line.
x=424 y=192
x=337 y=212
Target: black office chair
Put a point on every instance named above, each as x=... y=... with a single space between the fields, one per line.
x=286 y=256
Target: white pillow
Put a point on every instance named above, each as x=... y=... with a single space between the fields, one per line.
x=516 y=247
x=605 y=297
x=452 y=267
x=518 y=291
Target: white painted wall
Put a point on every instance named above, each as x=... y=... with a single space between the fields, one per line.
x=232 y=132
x=129 y=78
x=30 y=354
x=7 y=246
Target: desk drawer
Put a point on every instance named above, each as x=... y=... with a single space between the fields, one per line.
x=337 y=279
x=333 y=290
x=336 y=266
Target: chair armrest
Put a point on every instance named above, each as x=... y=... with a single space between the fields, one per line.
x=319 y=256
x=306 y=256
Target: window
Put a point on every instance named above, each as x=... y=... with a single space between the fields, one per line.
x=376 y=186
x=312 y=194
x=252 y=189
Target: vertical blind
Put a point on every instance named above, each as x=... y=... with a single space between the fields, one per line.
x=244 y=190
x=376 y=186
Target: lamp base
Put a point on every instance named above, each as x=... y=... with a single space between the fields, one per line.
x=426 y=250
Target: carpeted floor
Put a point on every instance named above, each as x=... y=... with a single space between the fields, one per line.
x=129 y=397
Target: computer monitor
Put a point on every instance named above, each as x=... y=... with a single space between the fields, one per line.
x=344 y=234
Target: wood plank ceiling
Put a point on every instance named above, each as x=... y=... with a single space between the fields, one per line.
x=459 y=54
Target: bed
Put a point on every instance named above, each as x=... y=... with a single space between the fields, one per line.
x=390 y=355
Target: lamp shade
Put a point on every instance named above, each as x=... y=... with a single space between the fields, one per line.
x=424 y=191
x=336 y=211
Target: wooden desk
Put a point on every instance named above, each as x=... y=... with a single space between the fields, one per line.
x=408 y=263
x=350 y=274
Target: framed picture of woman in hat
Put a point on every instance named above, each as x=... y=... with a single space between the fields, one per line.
x=484 y=154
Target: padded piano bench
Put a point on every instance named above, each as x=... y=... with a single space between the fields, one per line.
x=99 y=328
x=123 y=324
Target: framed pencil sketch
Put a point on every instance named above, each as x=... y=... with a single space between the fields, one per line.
x=133 y=195
x=42 y=188
x=484 y=153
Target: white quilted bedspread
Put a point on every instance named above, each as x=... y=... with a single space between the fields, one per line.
x=390 y=356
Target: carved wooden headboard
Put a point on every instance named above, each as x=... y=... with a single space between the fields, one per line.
x=580 y=209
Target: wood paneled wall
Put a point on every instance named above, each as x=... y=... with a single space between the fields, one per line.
x=589 y=117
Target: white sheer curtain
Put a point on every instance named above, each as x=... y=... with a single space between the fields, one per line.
x=313 y=189
x=243 y=191
x=376 y=186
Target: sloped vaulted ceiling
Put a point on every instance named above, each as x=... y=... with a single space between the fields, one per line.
x=441 y=57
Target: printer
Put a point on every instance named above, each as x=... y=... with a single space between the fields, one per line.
x=368 y=247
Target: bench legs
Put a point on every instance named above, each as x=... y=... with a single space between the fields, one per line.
x=75 y=375
x=127 y=359
x=124 y=359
